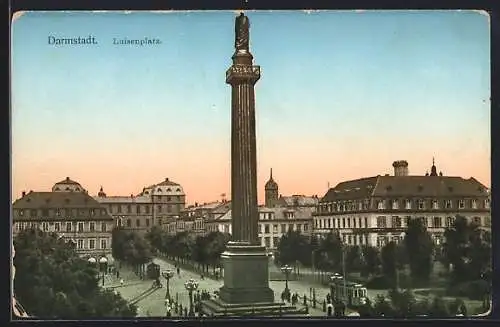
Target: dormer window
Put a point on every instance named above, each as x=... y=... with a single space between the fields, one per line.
x=421 y=204
x=395 y=204
x=474 y=204
x=159 y=189
x=461 y=204
x=21 y=212
x=169 y=190
x=178 y=190
x=435 y=204
x=380 y=205
x=408 y=204
x=447 y=204
x=487 y=203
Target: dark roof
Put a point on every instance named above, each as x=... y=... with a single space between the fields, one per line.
x=40 y=200
x=391 y=186
x=271 y=185
x=359 y=188
x=167 y=182
x=68 y=181
x=298 y=200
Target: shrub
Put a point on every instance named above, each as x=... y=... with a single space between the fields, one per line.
x=474 y=290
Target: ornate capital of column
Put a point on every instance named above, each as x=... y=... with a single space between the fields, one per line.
x=241 y=73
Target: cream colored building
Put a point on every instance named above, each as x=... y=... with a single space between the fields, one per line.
x=68 y=211
x=273 y=223
x=376 y=210
x=158 y=204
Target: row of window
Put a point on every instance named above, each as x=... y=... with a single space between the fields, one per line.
x=395 y=204
x=276 y=228
x=265 y=228
x=361 y=222
x=270 y=215
x=128 y=223
x=395 y=222
x=144 y=208
x=91 y=244
x=79 y=227
x=84 y=212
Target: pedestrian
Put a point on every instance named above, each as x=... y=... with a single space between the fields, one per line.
x=178 y=271
x=122 y=282
x=329 y=311
x=117 y=274
x=201 y=276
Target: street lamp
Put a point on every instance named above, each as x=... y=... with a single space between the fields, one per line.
x=333 y=283
x=167 y=275
x=103 y=264
x=286 y=269
x=191 y=285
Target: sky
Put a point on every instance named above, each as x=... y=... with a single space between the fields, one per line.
x=342 y=95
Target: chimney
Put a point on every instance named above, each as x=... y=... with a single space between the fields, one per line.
x=23 y=194
x=166 y=179
x=400 y=168
x=67 y=178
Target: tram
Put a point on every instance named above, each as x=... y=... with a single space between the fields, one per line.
x=353 y=294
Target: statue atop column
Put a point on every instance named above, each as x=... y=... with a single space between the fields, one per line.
x=242 y=33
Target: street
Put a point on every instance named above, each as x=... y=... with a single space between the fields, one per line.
x=154 y=304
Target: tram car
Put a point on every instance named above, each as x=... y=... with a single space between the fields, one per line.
x=153 y=271
x=353 y=294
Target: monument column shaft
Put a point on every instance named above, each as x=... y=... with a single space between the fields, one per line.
x=244 y=163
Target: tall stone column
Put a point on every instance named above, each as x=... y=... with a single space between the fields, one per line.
x=242 y=76
x=246 y=264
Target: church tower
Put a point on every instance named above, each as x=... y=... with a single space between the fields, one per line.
x=271 y=190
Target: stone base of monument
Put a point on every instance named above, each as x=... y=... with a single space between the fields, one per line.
x=219 y=308
x=246 y=285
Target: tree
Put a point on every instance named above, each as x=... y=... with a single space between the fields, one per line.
x=389 y=266
x=331 y=252
x=293 y=247
x=468 y=249
x=52 y=281
x=217 y=242
x=371 y=259
x=354 y=259
x=419 y=248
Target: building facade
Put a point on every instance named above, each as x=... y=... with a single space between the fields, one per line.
x=273 y=223
x=376 y=210
x=158 y=204
x=68 y=211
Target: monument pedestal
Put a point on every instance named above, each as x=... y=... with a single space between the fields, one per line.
x=246 y=285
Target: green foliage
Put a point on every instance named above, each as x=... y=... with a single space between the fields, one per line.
x=293 y=247
x=474 y=290
x=371 y=260
x=203 y=249
x=419 y=250
x=468 y=249
x=130 y=247
x=52 y=281
x=354 y=259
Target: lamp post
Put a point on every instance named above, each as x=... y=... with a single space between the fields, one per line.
x=167 y=275
x=333 y=282
x=286 y=269
x=103 y=264
x=191 y=285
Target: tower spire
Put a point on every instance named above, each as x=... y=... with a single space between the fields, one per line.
x=271 y=174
